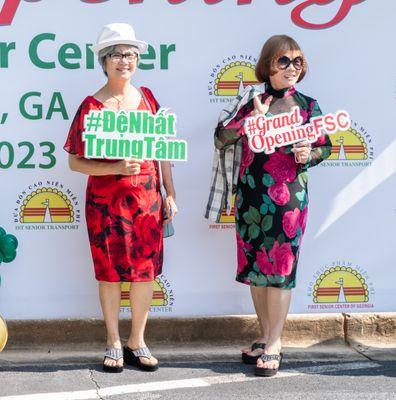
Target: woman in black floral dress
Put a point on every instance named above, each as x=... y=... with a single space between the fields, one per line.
x=272 y=198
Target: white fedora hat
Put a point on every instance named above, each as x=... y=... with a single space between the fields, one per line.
x=118 y=33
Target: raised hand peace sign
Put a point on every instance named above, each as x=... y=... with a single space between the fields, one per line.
x=259 y=107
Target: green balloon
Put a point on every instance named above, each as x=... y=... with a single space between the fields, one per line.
x=14 y=239
x=2 y=231
x=9 y=257
x=8 y=244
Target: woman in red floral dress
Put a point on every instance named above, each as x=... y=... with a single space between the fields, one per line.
x=123 y=203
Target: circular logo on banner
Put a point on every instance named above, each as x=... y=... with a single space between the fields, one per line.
x=230 y=77
x=163 y=297
x=3 y=334
x=341 y=286
x=351 y=148
x=46 y=205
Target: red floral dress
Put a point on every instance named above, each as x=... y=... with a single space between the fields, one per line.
x=123 y=213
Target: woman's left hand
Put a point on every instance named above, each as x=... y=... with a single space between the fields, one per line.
x=302 y=151
x=170 y=208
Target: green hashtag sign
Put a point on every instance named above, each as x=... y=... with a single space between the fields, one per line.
x=132 y=134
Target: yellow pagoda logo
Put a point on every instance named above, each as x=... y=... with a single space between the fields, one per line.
x=228 y=219
x=46 y=205
x=161 y=296
x=341 y=285
x=349 y=145
x=232 y=79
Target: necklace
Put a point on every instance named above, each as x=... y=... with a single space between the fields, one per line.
x=133 y=178
x=119 y=101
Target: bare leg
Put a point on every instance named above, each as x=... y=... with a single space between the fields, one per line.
x=278 y=302
x=141 y=294
x=110 y=298
x=259 y=296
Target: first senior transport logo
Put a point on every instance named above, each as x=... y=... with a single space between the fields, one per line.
x=226 y=221
x=230 y=76
x=340 y=286
x=46 y=205
x=351 y=148
x=163 y=296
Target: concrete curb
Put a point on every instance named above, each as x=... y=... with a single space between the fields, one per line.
x=300 y=330
x=369 y=328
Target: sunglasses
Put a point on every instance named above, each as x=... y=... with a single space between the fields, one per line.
x=284 y=62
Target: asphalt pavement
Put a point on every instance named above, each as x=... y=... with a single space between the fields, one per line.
x=199 y=371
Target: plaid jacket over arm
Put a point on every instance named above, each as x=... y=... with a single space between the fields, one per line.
x=227 y=161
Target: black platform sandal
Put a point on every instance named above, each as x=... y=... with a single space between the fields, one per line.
x=247 y=359
x=131 y=357
x=114 y=354
x=259 y=371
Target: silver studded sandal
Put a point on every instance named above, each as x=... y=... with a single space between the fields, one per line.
x=113 y=354
x=132 y=357
x=259 y=371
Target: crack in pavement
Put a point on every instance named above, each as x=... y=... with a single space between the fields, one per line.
x=348 y=343
x=97 y=387
x=361 y=352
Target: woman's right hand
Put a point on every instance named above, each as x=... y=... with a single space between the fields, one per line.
x=260 y=108
x=129 y=166
x=170 y=208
